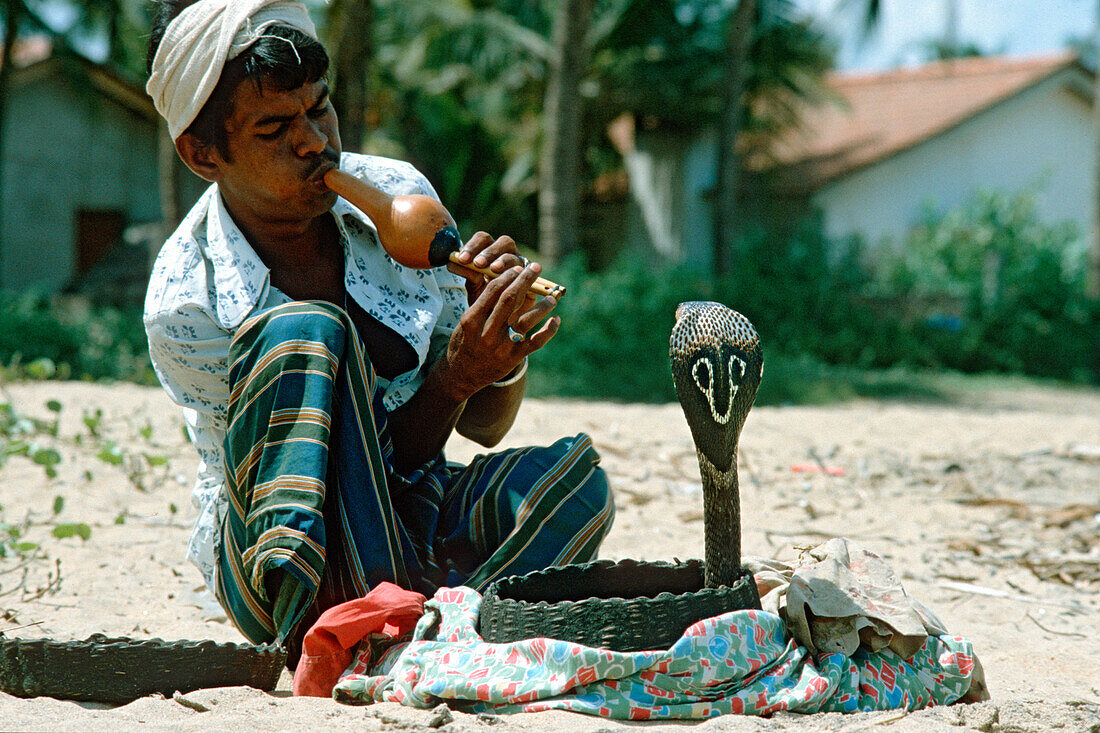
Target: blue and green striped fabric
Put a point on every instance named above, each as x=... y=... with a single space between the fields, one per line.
x=317 y=513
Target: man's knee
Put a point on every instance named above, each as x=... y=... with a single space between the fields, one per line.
x=297 y=321
x=582 y=497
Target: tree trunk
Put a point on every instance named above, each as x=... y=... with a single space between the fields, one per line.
x=350 y=30
x=168 y=183
x=738 y=38
x=563 y=117
x=13 y=13
x=1094 y=244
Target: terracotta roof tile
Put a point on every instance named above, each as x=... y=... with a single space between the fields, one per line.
x=886 y=113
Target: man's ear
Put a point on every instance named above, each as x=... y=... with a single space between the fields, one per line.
x=203 y=160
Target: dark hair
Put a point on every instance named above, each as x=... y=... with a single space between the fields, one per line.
x=284 y=58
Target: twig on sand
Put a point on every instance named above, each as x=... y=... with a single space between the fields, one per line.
x=867 y=725
x=981 y=590
x=189 y=703
x=25 y=563
x=892 y=719
x=1052 y=631
x=744 y=461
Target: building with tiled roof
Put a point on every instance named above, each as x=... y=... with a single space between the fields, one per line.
x=79 y=169
x=898 y=142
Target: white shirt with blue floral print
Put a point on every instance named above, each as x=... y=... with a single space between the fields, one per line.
x=207 y=280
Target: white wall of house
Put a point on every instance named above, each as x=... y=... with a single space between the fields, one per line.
x=671 y=177
x=68 y=147
x=1040 y=138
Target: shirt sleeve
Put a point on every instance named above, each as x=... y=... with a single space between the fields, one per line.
x=190 y=354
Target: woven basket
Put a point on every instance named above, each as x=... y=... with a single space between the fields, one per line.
x=100 y=669
x=626 y=606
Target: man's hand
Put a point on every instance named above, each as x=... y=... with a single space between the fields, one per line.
x=482 y=349
x=485 y=252
x=459 y=389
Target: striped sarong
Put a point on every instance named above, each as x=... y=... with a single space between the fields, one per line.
x=318 y=516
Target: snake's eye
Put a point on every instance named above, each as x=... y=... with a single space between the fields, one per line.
x=701 y=371
x=737 y=368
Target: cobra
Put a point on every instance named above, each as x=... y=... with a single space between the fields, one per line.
x=717 y=365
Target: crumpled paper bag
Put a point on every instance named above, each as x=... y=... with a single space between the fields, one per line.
x=839 y=596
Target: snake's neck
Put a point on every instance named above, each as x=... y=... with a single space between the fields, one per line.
x=722 y=520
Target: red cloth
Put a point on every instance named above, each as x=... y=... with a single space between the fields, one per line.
x=327 y=646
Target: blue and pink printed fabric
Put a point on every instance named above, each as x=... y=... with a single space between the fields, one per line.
x=741 y=662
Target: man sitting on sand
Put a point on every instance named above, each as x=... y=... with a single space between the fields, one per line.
x=319 y=379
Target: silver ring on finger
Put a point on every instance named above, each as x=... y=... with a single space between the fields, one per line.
x=516 y=336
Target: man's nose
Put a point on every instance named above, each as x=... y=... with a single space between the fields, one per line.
x=311 y=138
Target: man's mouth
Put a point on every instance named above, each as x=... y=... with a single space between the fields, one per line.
x=319 y=170
x=325 y=162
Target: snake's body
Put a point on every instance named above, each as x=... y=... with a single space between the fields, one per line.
x=716 y=365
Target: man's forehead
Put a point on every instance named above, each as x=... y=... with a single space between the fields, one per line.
x=252 y=103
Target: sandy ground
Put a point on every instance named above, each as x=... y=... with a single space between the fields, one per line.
x=987 y=508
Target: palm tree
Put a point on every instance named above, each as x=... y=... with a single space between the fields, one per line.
x=747 y=18
x=1094 y=248
x=349 y=28
x=563 y=118
x=14 y=12
x=12 y=17
x=737 y=40
x=477 y=79
x=122 y=24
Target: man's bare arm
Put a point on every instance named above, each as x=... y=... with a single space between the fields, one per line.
x=491 y=412
x=480 y=353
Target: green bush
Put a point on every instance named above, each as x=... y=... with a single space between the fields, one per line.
x=1021 y=303
x=613 y=342
x=987 y=287
x=67 y=337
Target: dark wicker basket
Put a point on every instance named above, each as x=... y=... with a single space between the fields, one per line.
x=100 y=669
x=626 y=606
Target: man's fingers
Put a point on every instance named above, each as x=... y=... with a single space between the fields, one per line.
x=466 y=272
x=487 y=309
x=539 y=338
x=533 y=312
x=518 y=305
x=473 y=247
x=505 y=312
x=500 y=255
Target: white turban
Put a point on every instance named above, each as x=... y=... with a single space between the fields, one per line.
x=198 y=43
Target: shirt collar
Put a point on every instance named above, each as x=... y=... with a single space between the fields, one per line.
x=240 y=276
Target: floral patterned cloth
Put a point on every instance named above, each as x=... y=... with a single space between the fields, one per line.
x=207 y=280
x=739 y=662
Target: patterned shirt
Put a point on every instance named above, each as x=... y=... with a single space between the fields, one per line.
x=207 y=279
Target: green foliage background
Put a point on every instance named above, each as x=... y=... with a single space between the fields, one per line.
x=69 y=338
x=936 y=304
x=984 y=288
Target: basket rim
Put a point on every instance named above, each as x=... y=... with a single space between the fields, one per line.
x=100 y=641
x=493 y=597
x=119 y=670
x=638 y=622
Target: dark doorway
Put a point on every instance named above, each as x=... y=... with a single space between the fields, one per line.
x=97 y=233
